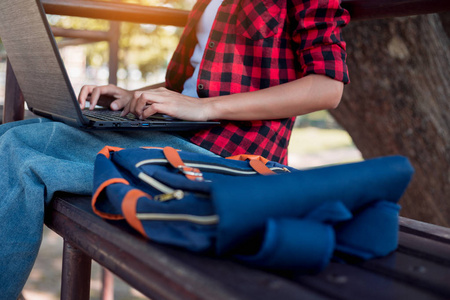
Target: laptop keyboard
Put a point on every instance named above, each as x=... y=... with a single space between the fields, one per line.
x=108 y=115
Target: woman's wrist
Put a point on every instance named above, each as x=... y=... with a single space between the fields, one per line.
x=210 y=109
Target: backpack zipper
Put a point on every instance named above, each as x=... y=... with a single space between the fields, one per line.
x=202 y=220
x=156 y=184
x=167 y=193
x=170 y=194
x=176 y=194
x=209 y=167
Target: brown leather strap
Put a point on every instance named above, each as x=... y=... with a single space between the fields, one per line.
x=257 y=162
x=175 y=160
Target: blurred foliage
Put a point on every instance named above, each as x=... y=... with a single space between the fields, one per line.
x=319 y=119
x=145 y=47
x=312 y=140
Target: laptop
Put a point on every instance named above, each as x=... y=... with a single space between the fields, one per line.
x=39 y=69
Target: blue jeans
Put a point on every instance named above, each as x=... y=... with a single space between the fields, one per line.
x=37 y=158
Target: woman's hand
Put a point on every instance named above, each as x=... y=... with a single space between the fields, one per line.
x=161 y=100
x=298 y=97
x=108 y=95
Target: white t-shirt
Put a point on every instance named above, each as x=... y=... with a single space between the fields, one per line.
x=203 y=30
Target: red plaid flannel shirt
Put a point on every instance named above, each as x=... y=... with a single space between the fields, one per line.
x=256 y=44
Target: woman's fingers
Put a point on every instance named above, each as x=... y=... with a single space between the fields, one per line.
x=120 y=102
x=148 y=111
x=108 y=96
x=84 y=93
x=146 y=103
x=131 y=105
x=98 y=91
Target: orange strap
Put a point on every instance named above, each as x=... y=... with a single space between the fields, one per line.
x=129 y=204
x=260 y=167
x=97 y=193
x=105 y=151
x=257 y=162
x=175 y=160
x=249 y=157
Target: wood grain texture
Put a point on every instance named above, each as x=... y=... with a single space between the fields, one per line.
x=117 y=11
x=359 y=10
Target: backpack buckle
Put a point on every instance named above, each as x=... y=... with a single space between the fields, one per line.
x=191 y=173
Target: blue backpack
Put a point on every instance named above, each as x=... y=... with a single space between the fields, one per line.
x=261 y=212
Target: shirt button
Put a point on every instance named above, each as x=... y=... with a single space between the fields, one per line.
x=200 y=86
x=211 y=44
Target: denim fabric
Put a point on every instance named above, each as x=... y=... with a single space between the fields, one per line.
x=37 y=158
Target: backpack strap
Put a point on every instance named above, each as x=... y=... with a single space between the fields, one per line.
x=257 y=162
x=129 y=205
x=175 y=160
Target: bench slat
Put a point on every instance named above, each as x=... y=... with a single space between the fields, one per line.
x=430 y=231
x=162 y=272
x=422 y=263
x=115 y=11
x=359 y=10
x=413 y=271
x=342 y=281
x=424 y=248
x=154 y=273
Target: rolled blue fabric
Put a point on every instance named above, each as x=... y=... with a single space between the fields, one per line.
x=371 y=233
x=244 y=204
x=302 y=244
x=295 y=244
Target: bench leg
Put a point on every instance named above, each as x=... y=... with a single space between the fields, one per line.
x=107 y=292
x=76 y=274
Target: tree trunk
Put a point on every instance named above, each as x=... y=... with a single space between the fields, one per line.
x=398 y=103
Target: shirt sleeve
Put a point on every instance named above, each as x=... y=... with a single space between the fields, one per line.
x=321 y=48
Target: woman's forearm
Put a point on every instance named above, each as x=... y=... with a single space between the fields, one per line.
x=302 y=96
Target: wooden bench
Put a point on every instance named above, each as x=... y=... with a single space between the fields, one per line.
x=419 y=269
